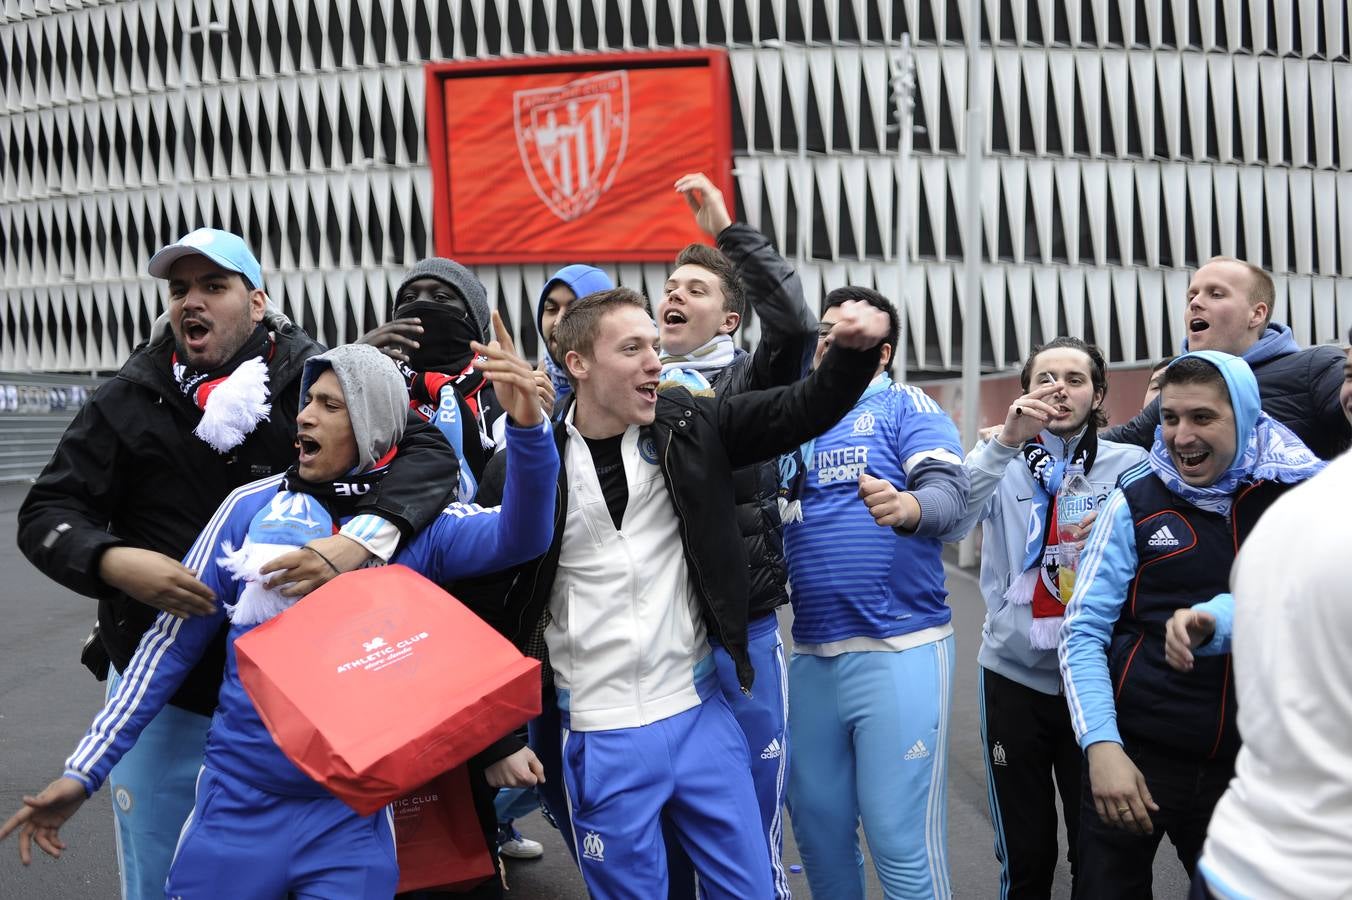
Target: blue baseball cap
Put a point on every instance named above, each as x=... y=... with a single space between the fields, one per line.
x=221 y=247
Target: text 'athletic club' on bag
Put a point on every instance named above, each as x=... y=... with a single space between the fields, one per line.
x=380 y=681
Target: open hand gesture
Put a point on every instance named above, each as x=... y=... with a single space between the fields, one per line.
x=41 y=817
x=706 y=202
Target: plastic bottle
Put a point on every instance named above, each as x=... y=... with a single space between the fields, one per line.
x=1074 y=501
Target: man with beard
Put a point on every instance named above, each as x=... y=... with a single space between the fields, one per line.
x=354 y=407
x=208 y=404
x=1160 y=747
x=1025 y=725
x=1229 y=309
x=872 y=668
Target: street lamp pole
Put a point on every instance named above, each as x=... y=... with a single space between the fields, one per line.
x=973 y=141
x=902 y=66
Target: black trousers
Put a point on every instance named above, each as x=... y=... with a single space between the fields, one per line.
x=1117 y=865
x=1031 y=755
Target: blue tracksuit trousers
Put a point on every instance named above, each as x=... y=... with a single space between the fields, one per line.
x=762 y=715
x=870 y=743
x=244 y=842
x=691 y=768
x=152 y=790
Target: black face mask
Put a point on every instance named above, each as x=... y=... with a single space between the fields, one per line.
x=447 y=332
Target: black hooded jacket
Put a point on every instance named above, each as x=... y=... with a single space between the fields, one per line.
x=129 y=472
x=788 y=340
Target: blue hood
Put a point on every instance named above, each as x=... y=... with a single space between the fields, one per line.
x=581 y=280
x=1276 y=341
x=1264 y=448
x=1243 y=389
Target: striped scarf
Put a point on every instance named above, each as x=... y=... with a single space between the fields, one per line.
x=694 y=370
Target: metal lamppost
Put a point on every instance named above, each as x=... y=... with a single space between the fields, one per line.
x=973 y=142
x=902 y=67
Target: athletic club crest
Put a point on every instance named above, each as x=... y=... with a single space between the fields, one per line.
x=572 y=139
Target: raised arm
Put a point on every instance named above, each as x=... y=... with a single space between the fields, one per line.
x=762 y=424
x=468 y=539
x=788 y=335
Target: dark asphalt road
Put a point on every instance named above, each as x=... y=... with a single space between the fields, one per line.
x=47 y=700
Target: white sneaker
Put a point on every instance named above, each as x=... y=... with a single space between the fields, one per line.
x=518 y=847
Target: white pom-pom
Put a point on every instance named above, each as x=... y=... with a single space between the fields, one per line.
x=1045 y=634
x=257 y=602
x=1020 y=591
x=234 y=409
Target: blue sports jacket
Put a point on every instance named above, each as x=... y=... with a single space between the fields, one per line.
x=465 y=540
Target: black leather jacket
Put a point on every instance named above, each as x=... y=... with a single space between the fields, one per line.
x=783 y=355
x=699 y=441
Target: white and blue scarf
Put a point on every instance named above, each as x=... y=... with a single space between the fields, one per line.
x=1272 y=453
x=696 y=369
x=300 y=512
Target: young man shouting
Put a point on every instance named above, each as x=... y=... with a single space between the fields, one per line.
x=206 y=405
x=352 y=415
x=703 y=302
x=1229 y=309
x=646 y=566
x=1025 y=725
x=1160 y=748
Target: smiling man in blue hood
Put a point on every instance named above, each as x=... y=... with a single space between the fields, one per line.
x=1229 y=309
x=1160 y=744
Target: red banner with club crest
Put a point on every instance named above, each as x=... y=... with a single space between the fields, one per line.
x=572 y=159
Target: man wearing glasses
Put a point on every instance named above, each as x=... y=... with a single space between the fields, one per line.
x=871 y=674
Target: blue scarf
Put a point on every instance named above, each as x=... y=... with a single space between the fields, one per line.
x=1272 y=453
x=562 y=386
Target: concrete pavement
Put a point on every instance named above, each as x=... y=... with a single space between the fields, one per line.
x=47 y=700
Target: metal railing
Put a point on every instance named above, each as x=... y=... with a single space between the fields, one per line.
x=31 y=423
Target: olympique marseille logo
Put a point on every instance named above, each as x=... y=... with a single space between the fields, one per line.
x=572 y=139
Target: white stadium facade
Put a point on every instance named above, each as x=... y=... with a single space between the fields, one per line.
x=1121 y=144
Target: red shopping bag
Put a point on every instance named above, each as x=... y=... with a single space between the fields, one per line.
x=379 y=681
x=440 y=843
